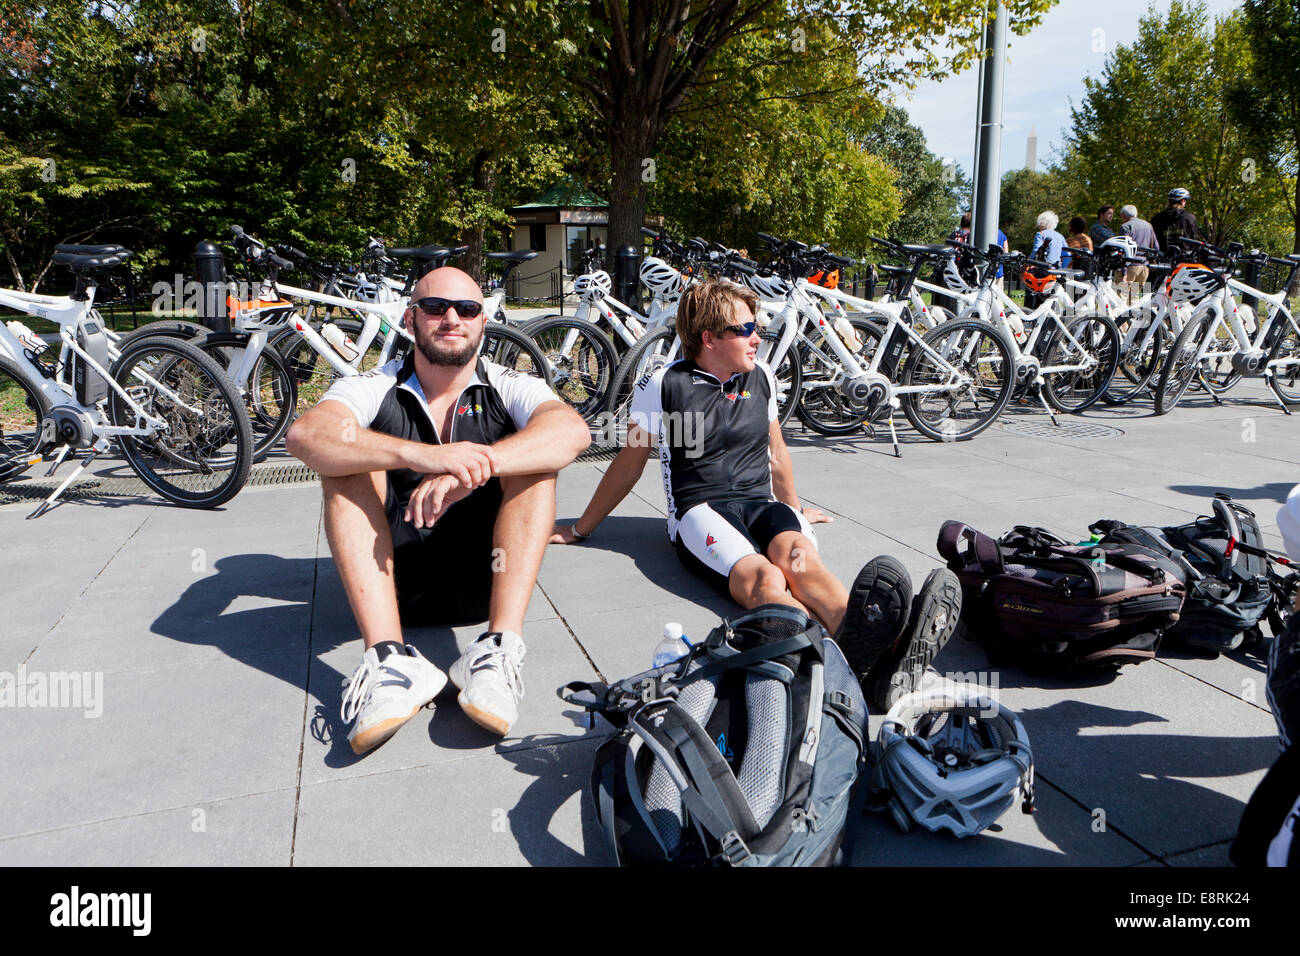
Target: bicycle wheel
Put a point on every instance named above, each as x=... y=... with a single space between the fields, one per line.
x=203 y=455
x=978 y=353
x=1137 y=366
x=581 y=361
x=1217 y=372
x=1180 y=366
x=651 y=352
x=789 y=378
x=1073 y=391
x=822 y=406
x=22 y=410
x=1286 y=377
x=513 y=349
x=270 y=398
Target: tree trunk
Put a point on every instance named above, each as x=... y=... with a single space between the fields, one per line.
x=13 y=267
x=484 y=182
x=633 y=136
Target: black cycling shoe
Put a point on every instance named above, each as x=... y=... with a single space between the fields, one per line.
x=935 y=614
x=879 y=602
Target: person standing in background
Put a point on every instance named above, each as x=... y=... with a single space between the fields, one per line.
x=1100 y=230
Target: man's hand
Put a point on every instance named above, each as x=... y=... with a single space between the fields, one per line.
x=471 y=465
x=816 y=516
x=431 y=499
x=563 y=534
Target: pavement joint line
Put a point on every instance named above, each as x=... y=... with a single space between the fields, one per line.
x=1170 y=664
x=565 y=622
x=188 y=805
x=1203 y=846
x=306 y=690
x=147 y=515
x=477 y=755
x=1039 y=778
x=883 y=534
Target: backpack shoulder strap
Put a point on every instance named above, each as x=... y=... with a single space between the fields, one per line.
x=981 y=550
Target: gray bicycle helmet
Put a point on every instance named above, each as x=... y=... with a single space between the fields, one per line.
x=950 y=757
x=1178 y=192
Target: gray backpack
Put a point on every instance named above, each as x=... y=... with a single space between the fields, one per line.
x=742 y=753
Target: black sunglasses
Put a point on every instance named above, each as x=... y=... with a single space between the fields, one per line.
x=741 y=331
x=437 y=306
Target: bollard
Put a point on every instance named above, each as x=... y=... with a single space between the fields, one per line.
x=627 y=267
x=210 y=271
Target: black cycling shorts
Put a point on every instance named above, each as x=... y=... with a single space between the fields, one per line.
x=714 y=535
x=444 y=573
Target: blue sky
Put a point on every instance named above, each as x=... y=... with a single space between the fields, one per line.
x=1044 y=75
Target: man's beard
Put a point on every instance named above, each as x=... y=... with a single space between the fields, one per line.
x=455 y=359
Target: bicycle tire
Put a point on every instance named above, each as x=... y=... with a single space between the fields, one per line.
x=312 y=373
x=176 y=328
x=1078 y=390
x=1180 y=367
x=824 y=408
x=985 y=357
x=1137 y=368
x=23 y=411
x=651 y=352
x=515 y=351
x=789 y=380
x=1287 y=385
x=212 y=438
x=272 y=403
x=583 y=373
x=1218 y=375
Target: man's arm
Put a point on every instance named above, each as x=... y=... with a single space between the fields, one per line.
x=614 y=486
x=330 y=441
x=783 y=477
x=554 y=436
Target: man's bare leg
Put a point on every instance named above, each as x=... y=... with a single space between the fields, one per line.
x=524 y=523
x=755 y=580
x=362 y=545
x=810 y=582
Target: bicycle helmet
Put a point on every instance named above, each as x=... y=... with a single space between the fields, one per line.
x=1191 y=282
x=826 y=278
x=1037 y=279
x=1122 y=243
x=960 y=274
x=950 y=757
x=1288 y=522
x=660 y=278
x=771 y=287
x=1178 y=192
x=597 y=283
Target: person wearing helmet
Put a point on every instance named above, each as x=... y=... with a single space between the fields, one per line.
x=1175 y=220
x=734 y=518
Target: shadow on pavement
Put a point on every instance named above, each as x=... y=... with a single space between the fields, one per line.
x=1273 y=491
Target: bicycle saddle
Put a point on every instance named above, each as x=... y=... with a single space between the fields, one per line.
x=87 y=263
x=519 y=255
x=928 y=250
x=81 y=250
x=423 y=252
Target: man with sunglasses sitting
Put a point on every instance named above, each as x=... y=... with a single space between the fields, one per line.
x=733 y=515
x=438 y=472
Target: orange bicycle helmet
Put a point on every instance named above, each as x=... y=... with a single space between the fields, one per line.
x=1037 y=279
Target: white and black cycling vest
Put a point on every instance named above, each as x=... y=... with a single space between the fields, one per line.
x=497 y=402
x=713 y=437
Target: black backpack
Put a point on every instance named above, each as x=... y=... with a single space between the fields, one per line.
x=1229 y=586
x=742 y=753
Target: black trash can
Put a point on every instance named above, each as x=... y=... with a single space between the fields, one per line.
x=627 y=268
x=210 y=271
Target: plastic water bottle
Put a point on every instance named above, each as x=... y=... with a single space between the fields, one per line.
x=674 y=646
x=332 y=334
x=849 y=334
x=25 y=335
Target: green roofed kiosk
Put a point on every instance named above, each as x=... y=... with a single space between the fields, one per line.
x=558 y=225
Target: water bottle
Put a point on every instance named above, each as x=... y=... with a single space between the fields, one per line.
x=674 y=646
x=25 y=335
x=849 y=334
x=332 y=334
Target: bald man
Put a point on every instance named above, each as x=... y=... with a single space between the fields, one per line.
x=438 y=472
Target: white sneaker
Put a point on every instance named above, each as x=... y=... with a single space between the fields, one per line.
x=488 y=677
x=381 y=696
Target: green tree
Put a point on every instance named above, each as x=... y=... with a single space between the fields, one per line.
x=1025 y=193
x=1159 y=118
x=1266 y=100
x=930 y=194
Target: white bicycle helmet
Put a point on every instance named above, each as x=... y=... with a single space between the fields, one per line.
x=1288 y=522
x=1192 y=282
x=771 y=287
x=660 y=278
x=950 y=757
x=1125 y=244
x=960 y=274
x=597 y=282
